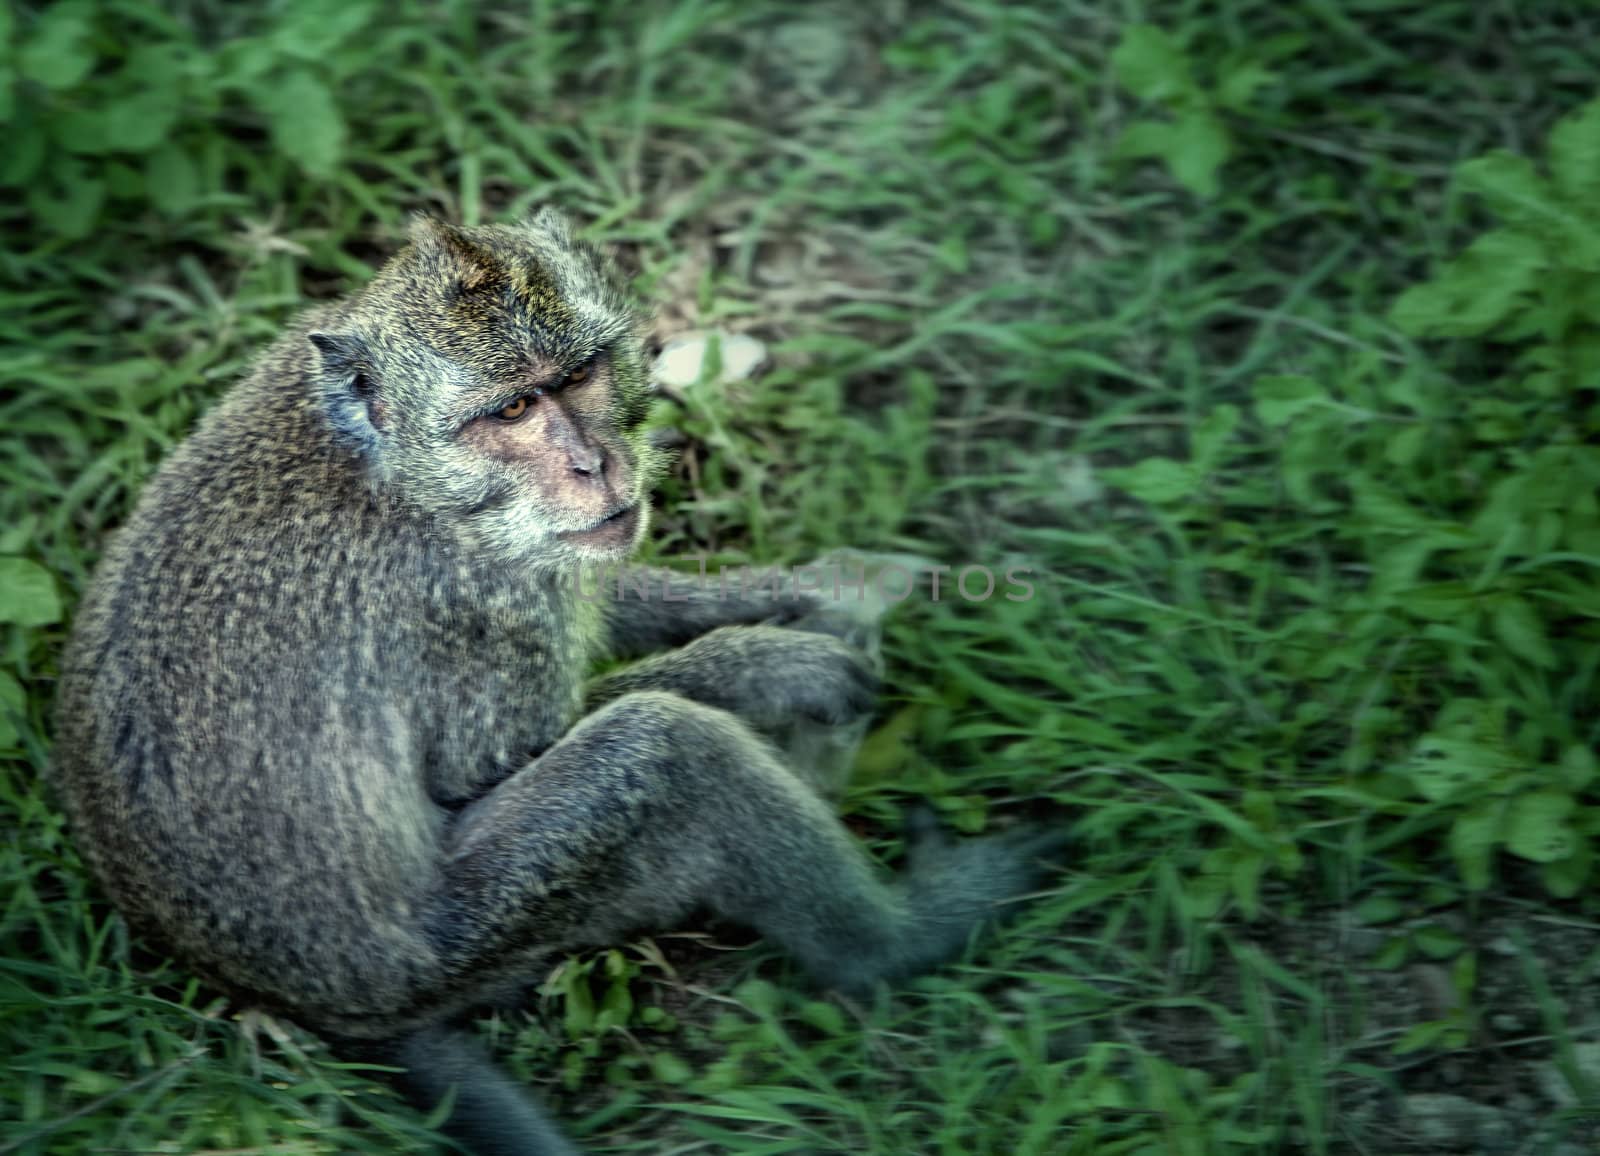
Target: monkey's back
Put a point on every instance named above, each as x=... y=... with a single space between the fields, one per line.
x=230 y=750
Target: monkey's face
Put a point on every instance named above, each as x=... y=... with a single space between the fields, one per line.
x=495 y=379
x=560 y=452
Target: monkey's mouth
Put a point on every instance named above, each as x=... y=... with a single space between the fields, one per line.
x=613 y=531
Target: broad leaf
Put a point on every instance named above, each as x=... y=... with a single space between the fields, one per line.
x=1575 y=156
x=1472 y=841
x=1475 y=292
x=1201 y=148
x=1536 y=826
x=60 y=52
x=1520 y=628
x=27 y=593
x=12 y=704
x=306 y=123
x=1155 y=480
x=1279 y=397
x=1150 y=65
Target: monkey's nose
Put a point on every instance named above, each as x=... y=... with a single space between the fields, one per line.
x=587 y=461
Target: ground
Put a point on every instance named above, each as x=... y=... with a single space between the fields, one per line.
x=1161 y=302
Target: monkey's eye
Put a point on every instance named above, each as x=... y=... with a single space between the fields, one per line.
x=513 y=411
x=580 y=374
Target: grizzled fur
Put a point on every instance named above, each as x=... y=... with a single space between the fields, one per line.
x=322 y=723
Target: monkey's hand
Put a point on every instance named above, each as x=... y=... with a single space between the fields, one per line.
x=765 y=674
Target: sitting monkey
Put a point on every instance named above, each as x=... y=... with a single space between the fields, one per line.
x=324 y=728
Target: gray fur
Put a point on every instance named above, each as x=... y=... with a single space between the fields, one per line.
x=322 y=722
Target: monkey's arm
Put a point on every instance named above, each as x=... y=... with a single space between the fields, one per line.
x=648 y=609
x=767 y=675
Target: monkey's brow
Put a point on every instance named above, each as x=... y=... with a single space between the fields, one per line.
x=497 y=392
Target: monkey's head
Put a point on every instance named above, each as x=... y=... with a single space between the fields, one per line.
x=494 y=377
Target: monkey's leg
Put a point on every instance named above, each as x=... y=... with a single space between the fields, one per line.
x=655 y=806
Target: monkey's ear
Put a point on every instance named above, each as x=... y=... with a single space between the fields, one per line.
x=467 y=261
x=553 y=221
x=341 y=352
x=348 y=388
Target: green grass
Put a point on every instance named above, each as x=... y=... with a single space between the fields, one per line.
x=1311 y=659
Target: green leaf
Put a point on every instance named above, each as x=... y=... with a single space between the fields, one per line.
x=1574 y=148
x=1564 y=878
x=171 y=180
x=70 y=203
x=825 y=1017
x=306 y=124
x=81 y=131
x=1392 y=954
x=1508 y=182
x=670 y=1069
x=888 y=748
x=1536 y=828
x=1444 y=766
x=1203 y=897
x=1421 y=1036
x=1155 y=480
x=1311 y=448
x=242 y=63
x=311 y=29
x=1245 y=881
x=616 y=1008
x=1476 y=292
x=760 y=996
x=1515 y=191
x=1146 y=138
x=1437 y=942
x=578 y=1015
x=140 y=122
x=1211 y=434
x=1438 y=601
x=140 y=119
x=27 y=593
x=60 y=52
x=1279 y=397
x=14 y=538
x=12 y=703
x=1473 y=837
x=1395 y=567
x=1377 y=909
x=1150 y=65
x=1201 y=146
x=441 y=1111
x=27 y=143
x=1578 y=766
x=1238 y=84
x=1382 y=509
x=1405 y=445
x=1519 y=628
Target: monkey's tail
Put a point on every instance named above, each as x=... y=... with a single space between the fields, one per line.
x=492 y=1115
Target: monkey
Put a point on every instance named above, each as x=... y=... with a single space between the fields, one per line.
x=325 y=725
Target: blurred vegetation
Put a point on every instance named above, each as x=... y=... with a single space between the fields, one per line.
x=1265 y=334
